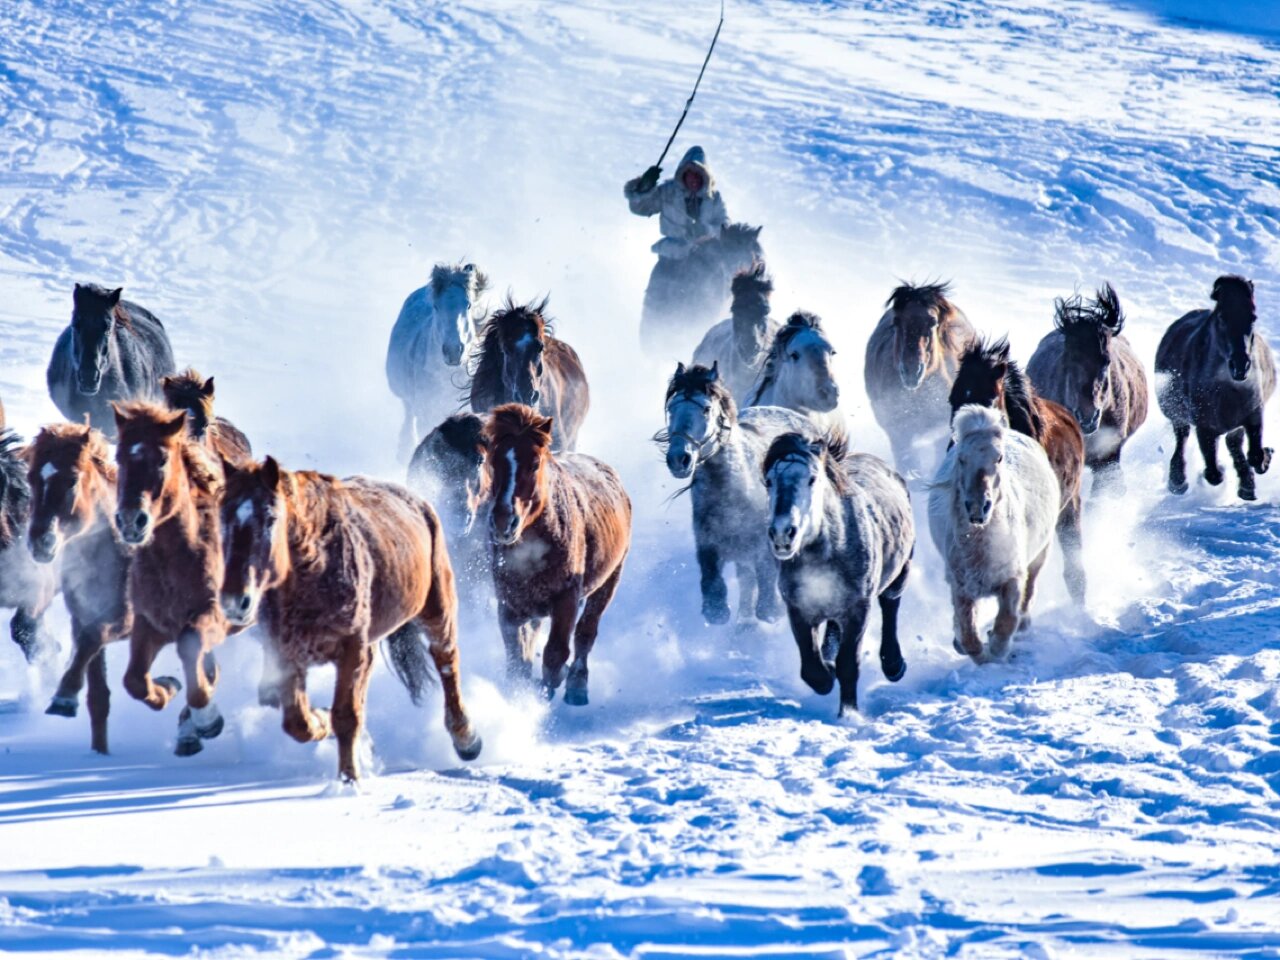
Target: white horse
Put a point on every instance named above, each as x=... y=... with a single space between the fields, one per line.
x=992 y=510
x=797 y=374
x=432 y=335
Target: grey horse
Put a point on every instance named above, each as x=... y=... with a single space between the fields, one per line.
x=740 y=343
x=797 y=374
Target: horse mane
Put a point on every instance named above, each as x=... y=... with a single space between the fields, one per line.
x=486 y=361
x=797 y=323
x=462 y=432
x=1101 y=315
x=1019 y=395
x=16 y=494
x=938 y=296
x=737 y=231
x=752 y=282
x=55 y=435
x=445 y=275
x=833 y=451
x=1243 y=285
x=201 y=471
x=515 y=422
x=697 y=379
x=185 y=391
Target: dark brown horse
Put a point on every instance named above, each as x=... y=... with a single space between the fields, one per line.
x=25 y=586
x=989 y=378
x=73 y=495
x=1218 y=376
x=1087 y=365
x=519 y=361
x=330 y=567
x=193 y=393
x=167 y=511
x=911 y=363
x=560 y=529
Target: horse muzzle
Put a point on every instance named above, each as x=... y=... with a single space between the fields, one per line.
x=829 y=397
x=89 y=388
x=911 y=377
x=240 y=609
x=134 y=526
x=784 y=540
x=681 y=463
x=505 y=533
x=1240 y=371
x=452 y=357
x=44 y=548
x=1088 y=424
x=979 y=513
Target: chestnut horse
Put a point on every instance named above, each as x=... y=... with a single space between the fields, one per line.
x=191 y=392
x=560 y=528
x=73 y=494
x=167 y=510
x=330 y=567
x=988 y=378
x=911 y=362
x=519 y=361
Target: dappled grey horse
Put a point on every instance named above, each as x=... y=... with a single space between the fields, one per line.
x=842 y=529
x=796 y=373
x=429 y=343
x=1216 y=374
x=112 y=350
x=719 y=453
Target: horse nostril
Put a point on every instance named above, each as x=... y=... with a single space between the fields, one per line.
x=140 y=521
x=244 y=603
x=119 y=520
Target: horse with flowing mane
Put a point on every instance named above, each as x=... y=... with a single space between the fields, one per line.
x=193 y=393
x=560 y=529
x=520 y=361
x=796 y=373
x=26 y=587
x=738 y=345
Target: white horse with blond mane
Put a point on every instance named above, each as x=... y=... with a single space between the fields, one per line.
x=992 y=510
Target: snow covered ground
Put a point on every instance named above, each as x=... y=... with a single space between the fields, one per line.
x=272 y=179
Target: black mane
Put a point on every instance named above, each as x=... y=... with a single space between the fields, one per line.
x=1101 y=316
x=796 y=324
x=1019 y=396
x=15 y=492
x=926 y=294
x=833 y=449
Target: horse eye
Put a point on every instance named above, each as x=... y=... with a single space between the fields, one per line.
x=768 y=484
x=794 y=355
x=812 y=480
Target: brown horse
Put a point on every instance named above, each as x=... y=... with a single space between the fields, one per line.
x=330 y=567
x=167 y=511
x=560 y=528
x=193 y=393
x=519 y=361
x=911 y=363
x=989 y=378
x=73 y=493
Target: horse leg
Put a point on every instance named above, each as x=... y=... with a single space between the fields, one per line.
x=852 y=626
x=1246 y=489
x=519 y=663
x=300 y=720
x=1011 y=597
x=1070 y=537
x=408 y=433
x=269 y=682
x=99 y=700
x=584 y=639
x=1259 y=456
x=1108 y=478
x=1208 y=441
x=1178 y=464
x=24 y=628
x=967 y=641
x=891 y=660
x=1033 y=573
x=715 y=595
x=350 y=692
x=813 y=669
x=564 y=616
x=87 y=642
x=768 y=600
x=200 y=719
x=746 y=574
x=440 y=622
x=145 y=643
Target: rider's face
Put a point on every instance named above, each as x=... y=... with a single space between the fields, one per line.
x=692 y=181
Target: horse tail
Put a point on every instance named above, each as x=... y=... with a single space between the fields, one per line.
x=416 y=647
x=406 y=651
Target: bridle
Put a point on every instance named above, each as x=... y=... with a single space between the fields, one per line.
x=711 y=442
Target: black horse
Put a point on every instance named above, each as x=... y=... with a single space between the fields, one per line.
x=25 y=586
x=112 y=350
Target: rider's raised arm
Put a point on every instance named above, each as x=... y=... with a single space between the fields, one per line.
x=645 y=203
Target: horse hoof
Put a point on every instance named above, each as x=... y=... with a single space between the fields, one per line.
x=894 y=672
x=1247 y=493
x=819 y=682
x=1262 y=464
x=1177 y=487
x=62 y=707
x=188 y=747
x=471 y=750
x=172 y=684
x=269 y=697
x=715 y=615
x=768 y=614
x=576 y=696
x=206 y=722
x=846 y=709
x=1213 y=477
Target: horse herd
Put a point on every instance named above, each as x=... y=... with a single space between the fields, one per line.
x=181 y=537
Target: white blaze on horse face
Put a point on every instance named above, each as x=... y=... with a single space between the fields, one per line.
x=137 y=449
x=48 y=471
x=509 y=488
x=244 y=512
x=791 y=505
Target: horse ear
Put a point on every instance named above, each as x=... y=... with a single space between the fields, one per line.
x=172 y=426
x=114 y=297
x=714 y=374
x=270 y=474
x=544 y=425
x=207 y=389
x=680 y=369
x=121 y=419
x=229 y=469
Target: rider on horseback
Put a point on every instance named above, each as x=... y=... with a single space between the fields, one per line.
x=692 y=210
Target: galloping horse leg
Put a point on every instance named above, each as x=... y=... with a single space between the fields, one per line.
x=145 y=643
x=564 y=616
x=1033 y=572
x=891 y=660
x=1070 y=536
x=408 y=433
x=1246 y=488
x=301 y=721
x=813 y=669
x=350 y=690
x=1178 y=464
x=852 y=626
x=269 y=683
x=99 y=700
x=1010 y=595
x=200 y=719
x=24 y=628
x=1108 y=478
x=715 y=595
x=1208 y=441
x=584 y=638
x=87 y=644
x=1259 y=456
x=519 y=661
x=966 y=640
x=768 y=600
x=746 y=575
x=442 y=643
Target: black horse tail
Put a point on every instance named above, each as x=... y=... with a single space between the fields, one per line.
x=407 y=654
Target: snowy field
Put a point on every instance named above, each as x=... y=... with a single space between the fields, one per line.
x=273 y=178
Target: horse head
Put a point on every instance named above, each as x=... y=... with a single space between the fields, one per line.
x=150 y=468
x=1235 y=317
x=94 y=315
x=700 y=410
x=193 y=393
x=255 y=536
x=520 y=334
x=65 y=461
x=919 y=316
x=1088 y=329
x=519 y=441
x=980 y=376
x=800 y=474
x=450 y=465
x=979 y=435
x=797 y=369
x=455 y=292
x=739 y=247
